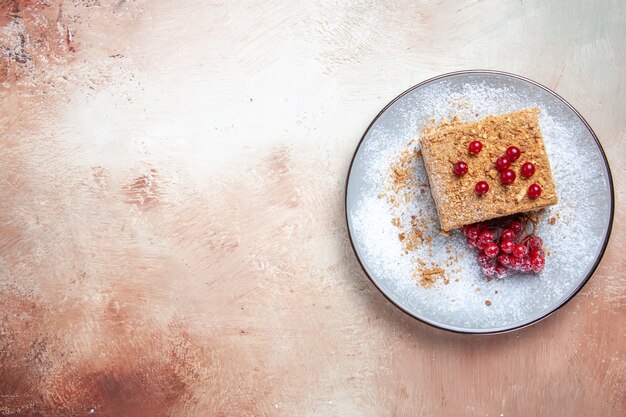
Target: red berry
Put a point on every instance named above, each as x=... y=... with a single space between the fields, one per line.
x=507 y=246
x=513 y=153
x=504 y=259
x=502 y=163
x=507 y=234
x=535 y=253
x=534 y=191
x=484 y=260
x=528 y=169
x=535 y=242
x=481 y=187
x=473 y=242
x=525 y=265
x=460 y=168
x=491 y=250
x=516 y=227
x=519 y=251
x=515 y=262
x=471 y=232
x=500 y=271
x=486 y=236
x=507 y=176
x=489 y=270
x=537 y=264
x=479 y=245
x=475 y=146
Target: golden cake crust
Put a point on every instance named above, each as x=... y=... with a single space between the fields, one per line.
x=456 y=201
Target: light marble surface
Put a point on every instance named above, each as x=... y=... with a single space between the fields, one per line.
x=172 y=234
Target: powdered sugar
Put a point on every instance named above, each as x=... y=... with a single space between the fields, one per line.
x=579 y=174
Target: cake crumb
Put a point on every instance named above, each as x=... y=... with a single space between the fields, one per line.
x=428 y=277
x=552 y=220
x=487 y=303
x=402 y=170
x=416 y=228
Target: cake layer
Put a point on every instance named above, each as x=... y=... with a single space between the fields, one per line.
x=457 y=202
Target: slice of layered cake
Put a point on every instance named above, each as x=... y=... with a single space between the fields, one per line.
x=493 y=167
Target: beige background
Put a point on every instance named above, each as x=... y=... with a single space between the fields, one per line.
x=172 y=236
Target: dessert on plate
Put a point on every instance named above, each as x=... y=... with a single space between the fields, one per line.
x=483 y=173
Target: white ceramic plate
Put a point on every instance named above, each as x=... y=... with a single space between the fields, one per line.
x=576 y=242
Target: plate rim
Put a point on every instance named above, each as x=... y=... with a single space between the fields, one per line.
x=598 y=258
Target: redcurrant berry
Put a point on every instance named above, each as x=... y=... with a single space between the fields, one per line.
x=507 y=234
x=504 y=259
x=507 y=246
x=527 y=170
x=502 y=163
x=537 y=264
x=534 y=191
x=516 y=227
x=500 y=271
x=481 y=187
x=460 y=168
x=483 y=260
x=491 y=250
x=513 y=153
x=475 y=146
x=471 y=232
x=520 y=251
x=486 y=236
x=535 y=242
x=507 y=176
x=489 y=270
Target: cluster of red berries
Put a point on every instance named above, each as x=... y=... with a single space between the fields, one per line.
x=503 y=163
x=505 y=247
